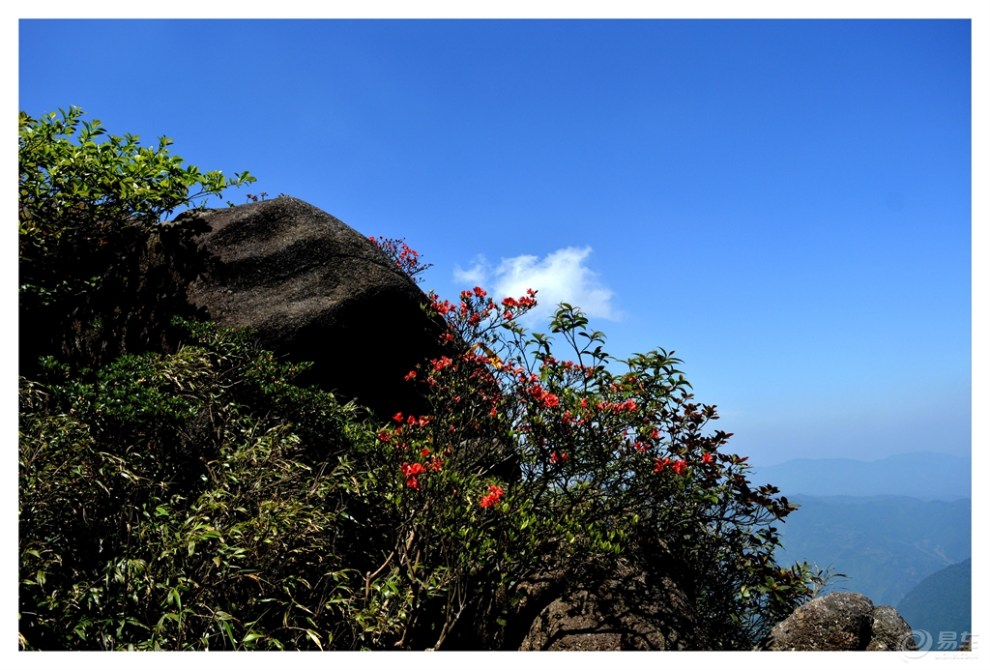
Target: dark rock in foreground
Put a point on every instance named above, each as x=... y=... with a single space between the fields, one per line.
x=316 y=289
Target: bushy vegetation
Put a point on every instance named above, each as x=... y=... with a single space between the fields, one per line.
x=81 y=190
x=196 y=498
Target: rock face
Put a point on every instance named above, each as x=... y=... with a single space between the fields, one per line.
x=313 y=287
x=842 y=622
x=613 y=613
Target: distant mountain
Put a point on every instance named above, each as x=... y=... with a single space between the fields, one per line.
x=927 y=476
x=941 y=605
x=886 y=545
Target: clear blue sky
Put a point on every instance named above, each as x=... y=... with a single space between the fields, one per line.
x=784 y=203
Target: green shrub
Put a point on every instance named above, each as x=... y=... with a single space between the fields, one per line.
x=197 y=498
x=605 y=465
x=81 y=190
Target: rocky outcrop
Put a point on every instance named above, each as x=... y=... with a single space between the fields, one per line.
x=621 y=611
x=842 y=622
x=313 y=287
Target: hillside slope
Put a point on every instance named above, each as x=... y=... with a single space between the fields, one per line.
x=884 y=544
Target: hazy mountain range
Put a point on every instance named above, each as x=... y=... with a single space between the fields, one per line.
x=899 y=528
x=885 y=545
x=927 y=476
x=941 y=605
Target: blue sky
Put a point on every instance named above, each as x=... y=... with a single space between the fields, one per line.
x=784 y=203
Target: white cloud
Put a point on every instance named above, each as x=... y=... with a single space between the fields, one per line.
x=475 y=275
x=561 y=276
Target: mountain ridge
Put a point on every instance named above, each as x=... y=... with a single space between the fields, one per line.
x=920 y=475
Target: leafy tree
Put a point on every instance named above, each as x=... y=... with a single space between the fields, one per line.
x=81 y=189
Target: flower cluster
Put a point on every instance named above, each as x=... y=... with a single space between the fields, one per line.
x=525 y=302
x=492 y=497
x=411 y=472
x=406 y=259
x=679 y=466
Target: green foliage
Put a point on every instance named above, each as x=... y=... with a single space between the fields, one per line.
x=198 y=498
x=610 y=465
x=157 y=511
x=81 y=189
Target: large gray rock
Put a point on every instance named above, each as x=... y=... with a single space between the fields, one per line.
x=315 y=289
x=842 y=622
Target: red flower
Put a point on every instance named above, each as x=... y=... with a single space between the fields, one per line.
x=493 y=496
x=679 y=467
x=441 y=363
x=660 y=464
x=412 y=469
x=397 y=417
x=550 y=400
x=628 y=405
x=707 y=458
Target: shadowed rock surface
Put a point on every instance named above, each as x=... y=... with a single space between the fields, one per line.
x=842 y=622
x=311 y=287
x=623 y=611
x=315 y=289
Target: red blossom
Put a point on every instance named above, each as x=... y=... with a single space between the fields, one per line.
x=679 y=467
x=441 y=363
x=397 y=417
x=493 y=496
x=412 y=469
x=707 y=458
x=627 y=405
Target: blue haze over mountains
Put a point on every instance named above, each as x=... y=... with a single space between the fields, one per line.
x=888 y=525
x=927 y=476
